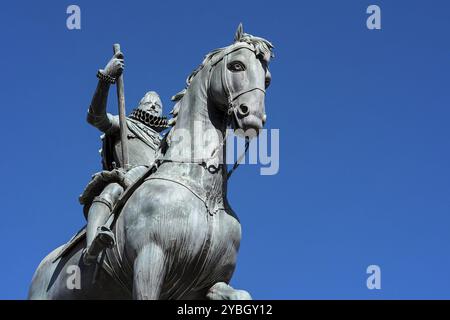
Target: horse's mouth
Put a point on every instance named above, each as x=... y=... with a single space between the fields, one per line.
x=248 y=126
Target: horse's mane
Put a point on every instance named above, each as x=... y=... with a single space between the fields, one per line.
x=263 y=50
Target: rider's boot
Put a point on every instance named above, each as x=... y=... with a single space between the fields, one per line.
x=98 y=236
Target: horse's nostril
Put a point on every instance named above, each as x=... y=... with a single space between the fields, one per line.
x=243 y=110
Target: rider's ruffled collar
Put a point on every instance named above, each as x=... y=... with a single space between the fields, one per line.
x=145 y=117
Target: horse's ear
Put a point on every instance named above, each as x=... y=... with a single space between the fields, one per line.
x=239 y=33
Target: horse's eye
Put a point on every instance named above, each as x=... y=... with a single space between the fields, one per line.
x=236 y=66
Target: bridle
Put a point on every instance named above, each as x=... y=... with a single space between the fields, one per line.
x=230 y=110
x=231 y=96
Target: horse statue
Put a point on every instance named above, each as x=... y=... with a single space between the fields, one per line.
x=176 y=235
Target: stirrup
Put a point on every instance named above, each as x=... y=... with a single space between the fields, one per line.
x=104 y=239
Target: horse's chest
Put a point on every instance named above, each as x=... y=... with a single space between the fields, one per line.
x=204 y=248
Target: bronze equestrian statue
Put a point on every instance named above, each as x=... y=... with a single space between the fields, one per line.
x=175 y=234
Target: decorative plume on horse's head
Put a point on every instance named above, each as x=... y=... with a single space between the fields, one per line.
x=263 y=47
x=263 y=50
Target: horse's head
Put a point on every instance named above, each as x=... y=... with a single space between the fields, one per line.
x=239 y=77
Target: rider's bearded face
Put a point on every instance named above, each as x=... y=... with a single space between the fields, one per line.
x=152 y=106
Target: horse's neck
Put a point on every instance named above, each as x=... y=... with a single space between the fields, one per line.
x=198 y=136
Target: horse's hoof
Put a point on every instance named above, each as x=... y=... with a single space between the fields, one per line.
x=241 y=295
x=222 y=291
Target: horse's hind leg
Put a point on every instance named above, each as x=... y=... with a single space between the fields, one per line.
x=149 y=273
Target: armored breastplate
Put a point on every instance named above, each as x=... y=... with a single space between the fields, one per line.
x=139 y=153
x=143 y=142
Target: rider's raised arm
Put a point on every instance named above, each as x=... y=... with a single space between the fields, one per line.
x=97 y=115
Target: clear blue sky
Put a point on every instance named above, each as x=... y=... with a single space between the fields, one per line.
x=364 y=128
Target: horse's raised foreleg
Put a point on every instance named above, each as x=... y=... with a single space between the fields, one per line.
x=149 y=272
x=222 y=291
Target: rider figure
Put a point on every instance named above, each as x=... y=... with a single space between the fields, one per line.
x=102 y=193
